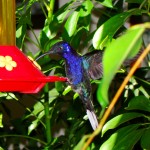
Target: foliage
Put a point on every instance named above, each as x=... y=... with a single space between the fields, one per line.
x=57 y=119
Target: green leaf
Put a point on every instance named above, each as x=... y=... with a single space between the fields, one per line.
x=38 y=108
x=123 y=139
x=139 y=103
x=106 y=31
x=145 y=142
x=86 y=8
x=1 y=119
x=36 y=122
x=23 y=22
x=67 y=90
x=20 y=35
x=38 y=111
x=118 y=120
x=8 y=96
x=107 y=3
x=1 y=148
x=53 y=94
x=47 y=33
x=71 y=23
x=134 y=1
x=80 y=33
x=61 y=13
x=115 y=54
x=59 y=86
x=79 y=146
x=50 y=30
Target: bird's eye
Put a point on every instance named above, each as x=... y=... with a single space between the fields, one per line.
x=60 y=48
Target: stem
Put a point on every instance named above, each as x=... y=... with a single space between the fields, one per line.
x=22 y=136
x=50 y=11
x=142 y=4
x=31 y=41
x=44 y=12
x=35 y=37
x=47 y=119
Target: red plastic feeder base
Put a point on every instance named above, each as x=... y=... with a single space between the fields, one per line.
x=19 y=74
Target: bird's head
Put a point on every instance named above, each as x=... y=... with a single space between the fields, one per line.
x=60 y=48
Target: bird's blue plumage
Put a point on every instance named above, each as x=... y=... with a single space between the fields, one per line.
x=74 y=69
x=73 y=65
x=79 y=71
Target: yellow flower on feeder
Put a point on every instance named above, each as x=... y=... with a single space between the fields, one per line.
x=34 y=62
x=7 y=62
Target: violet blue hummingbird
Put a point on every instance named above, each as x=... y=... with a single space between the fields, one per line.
x=79 y=70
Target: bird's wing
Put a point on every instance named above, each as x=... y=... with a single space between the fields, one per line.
x=92 y=62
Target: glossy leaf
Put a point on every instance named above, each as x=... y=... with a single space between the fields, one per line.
x=86 y=8
x=38 y=107
x=106 y=31
x=39 y=113
x=118 y=120
x=145 y=142
x=124 y=138
x=115 y=54
x=67 y=90
x=50 y=30
x=81 y=143
x=139 y=103
x=20 y=35
x=71 y=23
x=35 y=122
x=1 y=119
x=107 y=3
x=45 y=36
x=21 y=28
x=53 y=94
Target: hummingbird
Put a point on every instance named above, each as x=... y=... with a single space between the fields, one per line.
x=79 y=70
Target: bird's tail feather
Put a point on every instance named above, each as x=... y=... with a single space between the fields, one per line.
x=91 y=114
x=92 y=118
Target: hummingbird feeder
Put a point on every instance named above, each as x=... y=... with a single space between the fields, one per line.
x=17 y=72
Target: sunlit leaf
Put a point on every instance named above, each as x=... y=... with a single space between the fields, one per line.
x=1 y=148
x=50 y=30
x=118 y=120
x=79 y=146
x=67 y=90
x=115 y=54
x=1 y=119
x=8 y=96
x=53 y=94
x=106 y=31
x=23 y=22
x=107 y=3
x=86 y=8
x=71 y=24
x=37 y=108
x=124 y=138
x=36 y=122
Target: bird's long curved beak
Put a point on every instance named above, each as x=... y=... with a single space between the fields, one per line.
x=47 y=53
